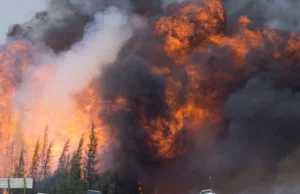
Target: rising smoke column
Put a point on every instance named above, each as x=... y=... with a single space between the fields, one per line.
x=72 y=71
x=197 y=91
x=176 y=82
x=45 y=91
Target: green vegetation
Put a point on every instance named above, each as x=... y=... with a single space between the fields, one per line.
x=75 y=174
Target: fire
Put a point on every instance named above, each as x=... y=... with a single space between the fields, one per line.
x=29 y=121
x=183 y=29
x=189 y=115
x=9 y=78
x=206 y=61
x=199 y=26
x=189 y=24
x=90 y=104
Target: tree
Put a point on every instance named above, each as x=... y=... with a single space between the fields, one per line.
x=91 y=153
x=43 y=153
x=62 y=170
x=12 y=158
x=34 y=167
x=108 y=179
x=75 y=182
x=46 y=169
x=77 y=159
x=62 y=162
x=19 y=169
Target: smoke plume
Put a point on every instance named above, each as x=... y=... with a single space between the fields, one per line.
x=72 y=71
x=179 y=90
x=280 y=14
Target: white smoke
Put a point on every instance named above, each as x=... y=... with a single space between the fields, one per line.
x=100 y=45
x=47 y=88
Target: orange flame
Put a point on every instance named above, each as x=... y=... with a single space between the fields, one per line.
x=187 y=28
x=71 y=125
x=198 y=26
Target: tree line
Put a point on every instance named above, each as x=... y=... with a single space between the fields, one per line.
x=75 y=173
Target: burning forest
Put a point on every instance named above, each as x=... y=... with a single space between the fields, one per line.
x=175 y=91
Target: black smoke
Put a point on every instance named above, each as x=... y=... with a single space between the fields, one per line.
x=281 y=14
x=258 y=103
x=259 y=107
x=62 y=24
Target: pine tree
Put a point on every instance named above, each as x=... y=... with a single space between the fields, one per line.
x=62 y=162
x=68 y=165
x=12 y=158
x=107 y=179
x=77 y=159
x=43 y=153
x=90 y=170
x=47 y=168
x=19 y=169
x=34 y=167
x=62 y=171
x=75 y=178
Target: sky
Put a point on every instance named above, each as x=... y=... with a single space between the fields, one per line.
x=17 y=11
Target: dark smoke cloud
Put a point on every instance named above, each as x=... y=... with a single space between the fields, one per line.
x=280 y=14
x=259 y=155
x=259 y=105
x=131 y=78
x=260 y=108
x=62 y=24
x=263 y=142
x=59 y=27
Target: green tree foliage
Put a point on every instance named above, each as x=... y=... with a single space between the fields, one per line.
x=46 y=169
x=91 y=153
x=19 y=169
x=71 y=177
x=75 y=182
x=76 y=160
x=43 y=153
x=107 y=179
x=62 y=172
x=34 y=167
x=45 y=159
x=113 y=184
x=62 y=162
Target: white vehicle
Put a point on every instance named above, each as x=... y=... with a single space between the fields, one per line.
x=207 y=191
